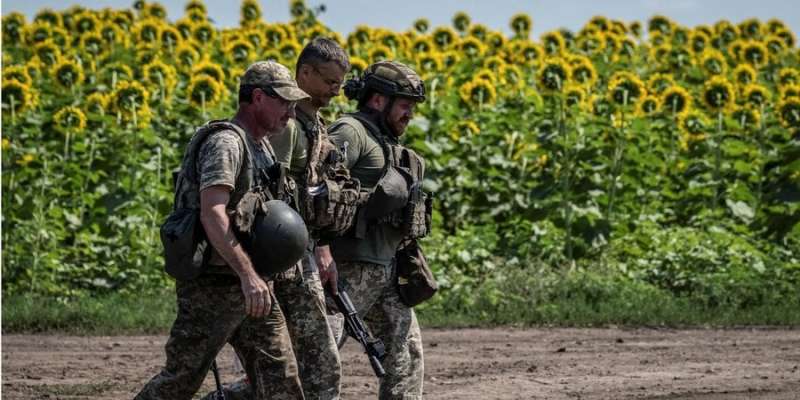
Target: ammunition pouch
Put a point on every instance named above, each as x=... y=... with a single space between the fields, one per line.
x=331 y=197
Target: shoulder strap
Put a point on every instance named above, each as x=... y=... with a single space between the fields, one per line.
x=189 y=163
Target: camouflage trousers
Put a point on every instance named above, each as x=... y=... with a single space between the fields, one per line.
x=299 y=292
x=211 y=313
x=372 y=289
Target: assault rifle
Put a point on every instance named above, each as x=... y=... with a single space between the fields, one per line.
x=356 y=329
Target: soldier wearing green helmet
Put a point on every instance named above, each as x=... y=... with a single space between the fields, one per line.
x=387 y=93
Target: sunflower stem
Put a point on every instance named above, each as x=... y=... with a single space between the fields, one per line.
x=565 y=179
x=203 y=103
x=13 y=107
x=66 y=144
x=761 y=151
x=717 y=160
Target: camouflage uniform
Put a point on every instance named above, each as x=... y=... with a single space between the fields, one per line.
x=299 y=290
x=367 y=272
x=211 y=307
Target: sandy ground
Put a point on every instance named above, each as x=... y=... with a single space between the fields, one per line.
x=462 y=364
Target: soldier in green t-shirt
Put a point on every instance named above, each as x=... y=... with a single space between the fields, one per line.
x=387 y=94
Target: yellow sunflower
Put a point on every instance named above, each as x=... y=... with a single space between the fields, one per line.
x=591 y=43
x=461 y=21
x=649 y=105
x=791 y=90
x=464 y=128
x=713 y=62
x=626 y=89
x=18 y=96
x=358 y=65
x=477 y=93
x=479 y=32
x=529 y=54
x=471 y=47
x=676 y=100
x=718 y=94
x=160 y=76
x=240 y=52
x=521 y=24
x=699 y=41
x=48 y=16
x=744 y=74
x=493 y=63
x=726 y=32
x=553 y=43
x=788 y=37
x=583 y=72
x=290 y=50
x=659 y=23
x=18 y=73
x=250 y=12
x=67 y=73
x=186 y=55
x=47 y=52
x=746 y=118
x=788 y=76
x=789 y=112
x=98 y=102
x=170 y=37
x=204 y=91
x=429 y=63
x=210 y=68
x=422 y=25
x=659 y=82
x=154 y=10
x=297 y=8
x=195 y=5
x=204 y=32
x=443 y=37
x=69 y=120
x=756 y=95
x=112 y=34
x=750 y=28
x=754 y=53
x=512 y=76
x=147 y=30
x=553 y=75
x=380 y=52
x=129 y=98
x=13 y=28
x=694 y=127
x=575 y=96
x=92 y=43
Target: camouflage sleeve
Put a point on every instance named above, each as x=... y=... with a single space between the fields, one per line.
x=285 y=144
x=220 y=160
x=343 y=133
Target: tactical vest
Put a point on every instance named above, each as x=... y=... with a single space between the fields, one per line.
x=398 y=198
x=329 y=197
x=253 y=188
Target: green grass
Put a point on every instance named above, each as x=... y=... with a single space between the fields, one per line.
x=109 y=315
x=521 y=299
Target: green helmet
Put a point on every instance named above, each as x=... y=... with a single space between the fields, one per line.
x=278 y=239
x=389 y=78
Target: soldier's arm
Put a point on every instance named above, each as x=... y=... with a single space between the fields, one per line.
x=219 y=162
x=213 y=216
x=346 y=138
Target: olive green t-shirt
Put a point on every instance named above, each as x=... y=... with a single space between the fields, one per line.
x=365 y=159
x=291 y=149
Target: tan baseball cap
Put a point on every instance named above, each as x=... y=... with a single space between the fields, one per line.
x=276 y=76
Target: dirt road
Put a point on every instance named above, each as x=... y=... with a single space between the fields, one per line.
x=463 y=364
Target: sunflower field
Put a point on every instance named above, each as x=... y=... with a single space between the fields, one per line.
x=649 y=152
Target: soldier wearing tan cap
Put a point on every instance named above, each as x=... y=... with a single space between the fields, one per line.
x=228 y=299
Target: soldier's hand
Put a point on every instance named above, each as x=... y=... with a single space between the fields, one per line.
x=257 y=297
x=327 y=268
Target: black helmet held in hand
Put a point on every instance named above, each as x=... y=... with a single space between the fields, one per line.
x=278 y=239
x=389 y=78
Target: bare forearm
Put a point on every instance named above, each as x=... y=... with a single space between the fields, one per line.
x=220 y=233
